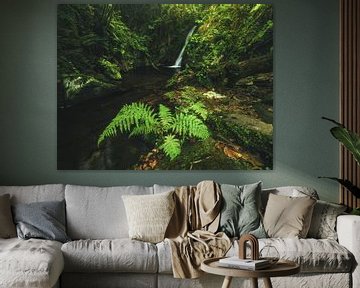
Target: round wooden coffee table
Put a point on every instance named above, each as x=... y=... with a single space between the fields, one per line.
x=281 y=268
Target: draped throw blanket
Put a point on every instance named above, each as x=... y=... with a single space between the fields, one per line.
x=191 y=231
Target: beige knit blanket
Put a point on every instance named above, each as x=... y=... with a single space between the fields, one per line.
x=191 y=231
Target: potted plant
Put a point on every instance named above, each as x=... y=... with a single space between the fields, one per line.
x=351 y=141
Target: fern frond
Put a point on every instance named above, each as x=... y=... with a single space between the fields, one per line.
x=171 y=146
x=137 y=118
x=188 y=126
x=199 y=109
x=166 y=117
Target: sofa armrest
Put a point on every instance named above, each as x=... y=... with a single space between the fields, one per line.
x=348 y=230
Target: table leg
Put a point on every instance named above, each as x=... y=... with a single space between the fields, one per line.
x=254 y=282
x=267 y=283
x=227 y=282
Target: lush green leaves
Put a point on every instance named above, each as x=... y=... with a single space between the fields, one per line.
x=351 y=141
x=93 y=43
x=139 y=119
x=135 y=118
x=171 y=146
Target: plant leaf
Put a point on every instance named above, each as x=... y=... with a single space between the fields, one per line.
x=347 y=184
x=349 y=139
x=171 y=146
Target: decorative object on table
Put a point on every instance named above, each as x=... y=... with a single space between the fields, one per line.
x=270 y=253
x=254 y=246
x=165 y=86
x=351 y=142
x=241 y=261
x=248 y=264
x=282 y=268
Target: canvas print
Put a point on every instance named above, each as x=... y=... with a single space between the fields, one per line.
x=165 y=86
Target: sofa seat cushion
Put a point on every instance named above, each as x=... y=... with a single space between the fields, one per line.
x=30 y=263
x=115 y=255
x=313 y=255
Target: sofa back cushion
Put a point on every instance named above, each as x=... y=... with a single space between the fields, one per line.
x=290 y=191
x=36 y=193
x=98 y=212
x=288 y=217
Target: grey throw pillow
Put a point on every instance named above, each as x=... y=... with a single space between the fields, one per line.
x=44 y=220
x=323 y=222
x=240 y=213
x=7 y=226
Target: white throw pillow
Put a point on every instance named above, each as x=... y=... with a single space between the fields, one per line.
x=149 y=215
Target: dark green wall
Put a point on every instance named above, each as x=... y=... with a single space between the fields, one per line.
x=306 y=88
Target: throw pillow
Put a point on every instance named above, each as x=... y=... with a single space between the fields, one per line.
x=149 y=215
x=44 y=220
x=288 y=217
x=323 y=222
x=7 y=227
x=240 y=213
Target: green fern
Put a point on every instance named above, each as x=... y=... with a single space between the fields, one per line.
x=139 y=119
x=197 y=108
x=136 y=114
x=171 y=146
x=190 y=125
x=165 y=115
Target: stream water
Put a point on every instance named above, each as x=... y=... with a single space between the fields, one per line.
x=80 y=125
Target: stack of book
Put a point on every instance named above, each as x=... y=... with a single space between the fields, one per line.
x=248 y=264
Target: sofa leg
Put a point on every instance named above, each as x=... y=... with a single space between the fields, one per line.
x=254 y=282
x=227 y=282
x=267 y=282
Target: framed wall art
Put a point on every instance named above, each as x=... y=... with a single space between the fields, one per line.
x=165 y=86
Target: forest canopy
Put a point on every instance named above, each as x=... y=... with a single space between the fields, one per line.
x=97 y=44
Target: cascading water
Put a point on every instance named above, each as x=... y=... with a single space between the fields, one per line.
x=179 y=58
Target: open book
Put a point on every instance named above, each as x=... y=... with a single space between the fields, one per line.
x=236 y=262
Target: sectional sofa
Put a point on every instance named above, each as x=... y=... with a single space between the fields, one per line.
x=101 y=254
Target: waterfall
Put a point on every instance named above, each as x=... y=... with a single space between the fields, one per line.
x=179 y=58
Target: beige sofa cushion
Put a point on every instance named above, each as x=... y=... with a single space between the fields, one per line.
x=117 y=255
x=287 y=216
x=30 y=263
x=149 y=215
x=98 y=213
x=292 y=191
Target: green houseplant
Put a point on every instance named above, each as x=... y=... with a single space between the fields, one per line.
x=351 y=141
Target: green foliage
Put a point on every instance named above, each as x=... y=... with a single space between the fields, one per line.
x=111 y=69
x=351 y=141
x=171 y=146
x=102 y=42
x=250 y=139
x=171 y=129
x=226 y=35
x=94 y=46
